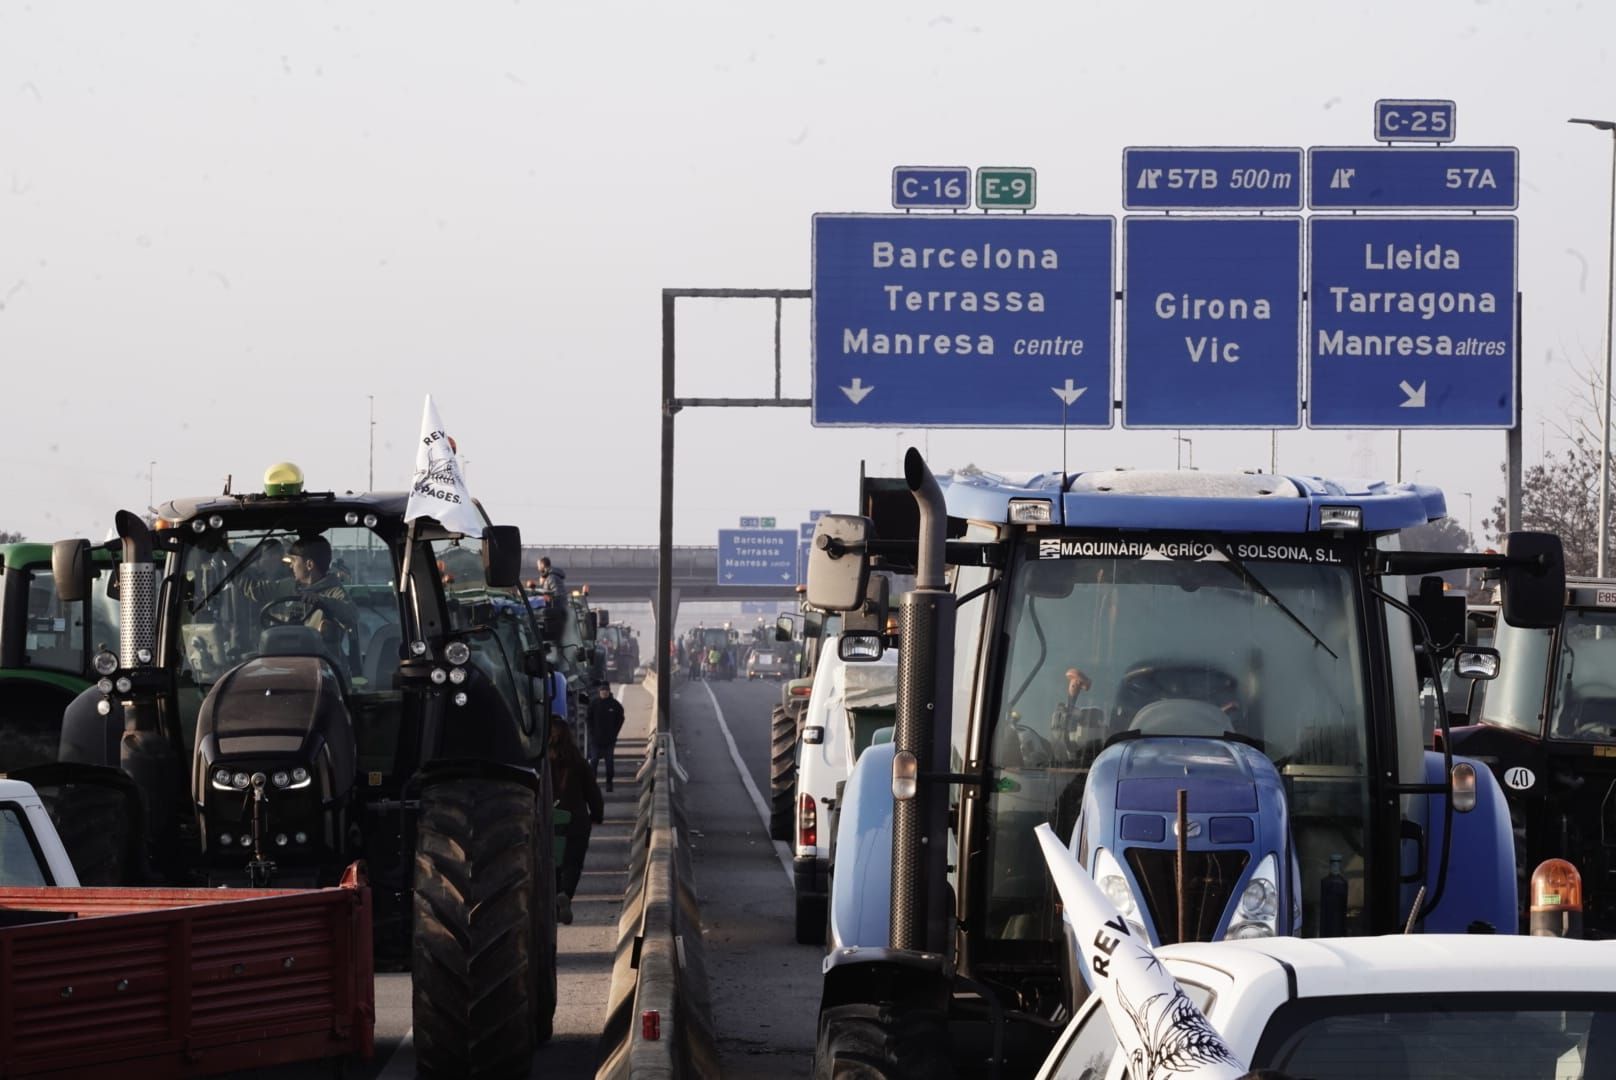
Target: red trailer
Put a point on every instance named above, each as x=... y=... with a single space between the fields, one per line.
x=183 y=982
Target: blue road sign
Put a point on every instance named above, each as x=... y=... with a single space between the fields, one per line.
x=1399 y=120
x=924 y=187
x=805 y=531
x=751 y=523
x=1411 y=322
x=1211 y=178
x=815 y=515
x=1212 y=322
x=955 y=321
x=802 y=561
x=1413 y=177
x=757 y=556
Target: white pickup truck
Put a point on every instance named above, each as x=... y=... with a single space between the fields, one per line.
x=1432 y=1007
x=31 y=854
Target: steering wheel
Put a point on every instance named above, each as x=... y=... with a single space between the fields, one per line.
x=272 y=615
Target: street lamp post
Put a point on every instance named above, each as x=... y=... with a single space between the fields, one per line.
x=1183 y=441
x=151 y=484
x=1610 y=314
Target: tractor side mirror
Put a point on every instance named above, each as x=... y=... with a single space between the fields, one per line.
x=838 y=568
x=595 y=623
x=71 y=569
x=813 y=625
x=534 y=665
x=785 y=628
x=603 y=618
x=1477 y=662
x=1533 y=581
x=502 y=556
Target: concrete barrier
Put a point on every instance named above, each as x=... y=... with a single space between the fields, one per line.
x=660 y=965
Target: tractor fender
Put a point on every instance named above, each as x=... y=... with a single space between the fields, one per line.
x=1481 y=862
x=861 y=882
x=855 y=975
x=442 y=769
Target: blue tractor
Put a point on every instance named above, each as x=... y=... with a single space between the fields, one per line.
x=1211 y=684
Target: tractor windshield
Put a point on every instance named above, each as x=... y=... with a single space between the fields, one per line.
x=1584 y=707
x=1196 y=637
x=242 y=587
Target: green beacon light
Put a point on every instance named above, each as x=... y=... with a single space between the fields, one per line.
x=283 y=478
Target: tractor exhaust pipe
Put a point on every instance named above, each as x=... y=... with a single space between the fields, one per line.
x=144 y=752
x=137 y=594
x=919 y=911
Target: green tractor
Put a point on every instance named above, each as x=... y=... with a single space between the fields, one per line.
x=308 y=679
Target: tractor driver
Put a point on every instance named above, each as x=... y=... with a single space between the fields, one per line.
x=330 y=610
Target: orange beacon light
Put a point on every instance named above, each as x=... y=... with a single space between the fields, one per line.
x=1556 y=900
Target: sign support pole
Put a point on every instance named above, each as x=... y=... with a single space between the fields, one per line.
x=1512 y=438
x=671 y=404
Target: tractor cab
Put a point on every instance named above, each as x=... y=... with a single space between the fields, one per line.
x=1209 y=685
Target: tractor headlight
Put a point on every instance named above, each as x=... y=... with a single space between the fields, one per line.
x=417 y=648
x=240 y=781
x=104 y=685
x=300 y=778
x=439 y=676
x=370 y=521
x=104 y=707
x=143 y=655
x=457 y=675
x=1109 y=876
x=351 y=518
x=280 y=779
x=457 y=652
x=221 y=779
x=105 y=663
x=460 y=697
x=123 y=685
x=1257 y=912
x=215 y=521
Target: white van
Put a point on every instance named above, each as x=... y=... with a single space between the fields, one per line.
x=851 y=705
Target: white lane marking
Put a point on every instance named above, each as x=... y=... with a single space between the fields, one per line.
x=780 y=849
x=401 y=1064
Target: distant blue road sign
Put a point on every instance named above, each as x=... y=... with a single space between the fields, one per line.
x=757 y=556
x=750 y=523
x=805 y=531
x=815 y=515
x=922 y=187
x=1413 y=177
x=1211 y=178
x=954 y=321
x=1212 y=322
x=802 y=561
x=1412 y=322
x=1398 y=120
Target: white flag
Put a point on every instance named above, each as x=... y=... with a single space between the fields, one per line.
x=439 y=490
x=1161 y=1030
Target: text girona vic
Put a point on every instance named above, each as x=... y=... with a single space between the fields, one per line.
x=1426 y=304
x=885 y=255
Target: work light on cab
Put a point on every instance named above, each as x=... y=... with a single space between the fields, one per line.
x=283 y=478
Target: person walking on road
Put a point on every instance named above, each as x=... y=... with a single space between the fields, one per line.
x=605 y=721
x=578 y=794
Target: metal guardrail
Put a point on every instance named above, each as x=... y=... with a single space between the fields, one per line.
x=658 y=1017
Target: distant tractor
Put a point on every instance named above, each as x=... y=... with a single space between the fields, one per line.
x=309 y=679
x=1547 y=729
x=1078 y=650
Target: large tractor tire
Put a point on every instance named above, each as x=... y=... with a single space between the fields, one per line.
x=882 y=1042
x=479 y=948
x=782 y=775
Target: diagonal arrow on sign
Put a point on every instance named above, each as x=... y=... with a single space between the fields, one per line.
x=1068 y=393
x=857 y=392
x=1416 y=398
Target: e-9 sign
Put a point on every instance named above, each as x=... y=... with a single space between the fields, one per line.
x=1414 y=121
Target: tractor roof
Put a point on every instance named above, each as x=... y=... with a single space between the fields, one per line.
x=384 y=504
x=1199 y=501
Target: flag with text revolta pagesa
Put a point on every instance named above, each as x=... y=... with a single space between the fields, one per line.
x=439 y=488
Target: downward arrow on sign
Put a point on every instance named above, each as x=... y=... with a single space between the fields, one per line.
x=1416 y=398
x=857 y=392
x=1069 y=393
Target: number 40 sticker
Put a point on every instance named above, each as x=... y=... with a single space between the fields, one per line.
x=1519 y=778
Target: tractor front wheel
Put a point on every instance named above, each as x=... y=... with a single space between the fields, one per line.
x=479 y=946
x=782 y=775
x=882 y=1042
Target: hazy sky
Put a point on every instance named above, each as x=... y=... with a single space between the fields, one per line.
x=224 y=225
